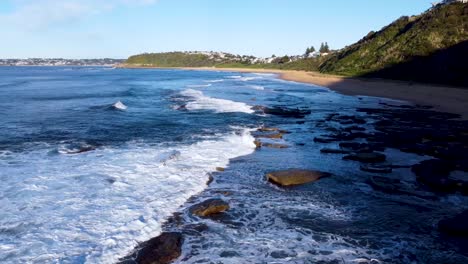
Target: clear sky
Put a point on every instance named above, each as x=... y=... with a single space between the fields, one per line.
x=119 y=28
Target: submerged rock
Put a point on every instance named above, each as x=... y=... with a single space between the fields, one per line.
x=395 y=186
x=366 y=157
x=385 y=184
x=434 y=173
x=377 y=168
x=160 y=250
x=334 y=151
x=209 y=207
x=287 y=112
x=457 y=225
x=324 y=140
x=295 y=176
x=275 y=145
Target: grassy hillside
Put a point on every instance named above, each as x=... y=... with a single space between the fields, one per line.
x=171 y=59
x=404 y=41
x=184 y=59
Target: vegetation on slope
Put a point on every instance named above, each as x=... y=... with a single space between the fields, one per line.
x=171 y=59
x=404 y=40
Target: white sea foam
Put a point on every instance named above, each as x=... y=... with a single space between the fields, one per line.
x=95 y=207
x=256 y=87
x=203 y=102
x=265 y=74
x=199 y=85
x=214 y=81
x=119 y=106
x=244 y=79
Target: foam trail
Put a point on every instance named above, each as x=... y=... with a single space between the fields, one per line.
x=203 y=102
x=97 y=206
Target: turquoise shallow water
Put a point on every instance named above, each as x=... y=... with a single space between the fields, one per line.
x=93 y=161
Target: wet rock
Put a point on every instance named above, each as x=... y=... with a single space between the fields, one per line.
x=210 y=179
x=220 y=169
x=324 y=140
x=274 y=145
x=367 y=157
x=282 y=254
x=287 y=112
x=258 y=143
x=343 y=136
x=353 y=145
x=376 y=168
x=175 y=219
x=163 y=249
x=385 y=184
x=295 y=176
x=362 y=147
x=209 y=207
x=334 y=151
x=348 y=119
x=434 y=173
x=270 y=136
x=395 y=186
x=77 y=149
x=195 y=229
x=460 y=178
x=268 y=129
x=457 y=225
x=354 y=128
x=229 y=254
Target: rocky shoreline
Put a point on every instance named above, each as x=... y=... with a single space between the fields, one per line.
x=361 y=138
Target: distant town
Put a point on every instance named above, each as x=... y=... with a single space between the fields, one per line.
x=60 y=62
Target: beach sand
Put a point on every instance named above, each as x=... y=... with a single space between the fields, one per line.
x=441 y=98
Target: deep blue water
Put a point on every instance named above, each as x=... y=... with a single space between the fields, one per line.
x=93 y=160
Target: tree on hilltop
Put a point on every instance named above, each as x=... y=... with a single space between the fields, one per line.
x=324 y=48
x=309 y=50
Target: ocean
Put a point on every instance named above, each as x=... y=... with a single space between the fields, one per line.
x=94 y=160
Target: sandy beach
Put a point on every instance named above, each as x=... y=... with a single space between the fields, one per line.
x=442 y=98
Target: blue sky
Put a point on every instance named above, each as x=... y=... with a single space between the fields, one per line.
x=119 y=28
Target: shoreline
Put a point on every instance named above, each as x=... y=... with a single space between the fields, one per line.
x=441 y=98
